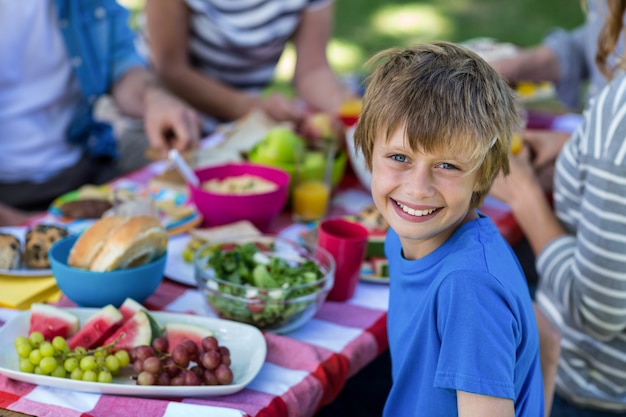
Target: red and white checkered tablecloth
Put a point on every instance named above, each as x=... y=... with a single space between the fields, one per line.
x=303 y=371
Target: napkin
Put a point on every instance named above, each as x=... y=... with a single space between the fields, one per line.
x=19 y=292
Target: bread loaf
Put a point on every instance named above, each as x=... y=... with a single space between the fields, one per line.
x=119 y=242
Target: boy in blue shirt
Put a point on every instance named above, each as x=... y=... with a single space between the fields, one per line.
x=435 y=131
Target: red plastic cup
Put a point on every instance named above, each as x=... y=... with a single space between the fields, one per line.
x=347 y=242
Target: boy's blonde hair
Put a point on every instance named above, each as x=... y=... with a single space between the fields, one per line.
x=448 y=98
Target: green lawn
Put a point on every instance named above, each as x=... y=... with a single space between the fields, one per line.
x=363 y=27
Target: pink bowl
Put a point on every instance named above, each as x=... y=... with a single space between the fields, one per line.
x=260 y=209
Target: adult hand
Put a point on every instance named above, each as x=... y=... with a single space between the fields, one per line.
x=520 y=178
x=322 y=126
x=10 y=216
x=280 y=108
x=544 y=146
x=170 y=123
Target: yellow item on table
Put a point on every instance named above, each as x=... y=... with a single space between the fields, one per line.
x=310 y=200
x=516 y=143
x=20 y=292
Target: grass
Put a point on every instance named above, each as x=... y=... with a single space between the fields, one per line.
x=364 y=27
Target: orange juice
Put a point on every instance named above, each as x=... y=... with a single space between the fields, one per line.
x=310 y=200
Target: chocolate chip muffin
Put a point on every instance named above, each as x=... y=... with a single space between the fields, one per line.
x=10 y=251
x=38 y=241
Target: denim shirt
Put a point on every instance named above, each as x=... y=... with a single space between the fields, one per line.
x=101 y=48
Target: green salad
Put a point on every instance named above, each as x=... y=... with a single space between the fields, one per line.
x=275 y=286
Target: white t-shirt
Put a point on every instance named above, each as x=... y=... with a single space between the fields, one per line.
x=38 y=93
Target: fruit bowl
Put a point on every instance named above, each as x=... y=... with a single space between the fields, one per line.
x=98 y=289
x=260 y=208
x=269 y=282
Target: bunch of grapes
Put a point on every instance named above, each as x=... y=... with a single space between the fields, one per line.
x=186 y=364
x=39 y=356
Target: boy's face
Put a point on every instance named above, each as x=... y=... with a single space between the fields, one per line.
x=424 y=197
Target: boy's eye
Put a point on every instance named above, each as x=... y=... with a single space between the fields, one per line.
x=398 y=157
x=446 y=165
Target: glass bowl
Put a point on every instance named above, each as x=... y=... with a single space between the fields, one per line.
x=269 y=282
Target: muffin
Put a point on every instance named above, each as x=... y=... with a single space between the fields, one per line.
x=10 y=251
x=38 y=241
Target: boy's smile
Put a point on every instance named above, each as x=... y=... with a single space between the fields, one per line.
x=424 y=196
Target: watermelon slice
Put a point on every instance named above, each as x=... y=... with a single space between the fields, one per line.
x=140 y=329
x=129 y=307
x=381 y=267
x=52 y=321
x=176 y=333
x=97 y=328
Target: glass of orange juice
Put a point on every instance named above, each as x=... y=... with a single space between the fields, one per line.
x=310 y=200
x=312 y=189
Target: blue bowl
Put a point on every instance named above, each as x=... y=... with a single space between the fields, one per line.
x=98 y=289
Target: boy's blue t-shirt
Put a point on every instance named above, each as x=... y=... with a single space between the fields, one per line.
x=461 y=318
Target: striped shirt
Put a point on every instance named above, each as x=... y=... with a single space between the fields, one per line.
x=240 y=42
x=583 y=275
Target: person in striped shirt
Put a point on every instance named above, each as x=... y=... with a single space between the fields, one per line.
x=219 y=55
x=581 y=245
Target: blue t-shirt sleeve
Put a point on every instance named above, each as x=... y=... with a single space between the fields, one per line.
x=478 y=334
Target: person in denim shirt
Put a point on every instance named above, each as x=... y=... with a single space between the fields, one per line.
x=60 y=57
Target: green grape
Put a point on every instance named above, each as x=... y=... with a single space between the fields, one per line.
x=77 y=374
x=46 y=349
x=23 y=350
x=55 y=358
x=48 y=364
x=59 y=372
x=90 y=376
x=59 y=343
x=123 y=357
x=80 y=351
x=35 y=356
x=36 y=338
x=26 y=365
x=21 y=340
x=112 y=363
x=88 y=363
x=105 y=376
x=70 y=364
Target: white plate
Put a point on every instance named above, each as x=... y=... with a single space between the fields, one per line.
x=246 y=344
x=176 y=268
x=22 y=271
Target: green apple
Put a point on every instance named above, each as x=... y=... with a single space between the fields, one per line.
x=280 y=144
x=313 y=166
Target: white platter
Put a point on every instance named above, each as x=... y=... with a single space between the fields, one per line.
x=22 y=271
x=176 y=268
x=246 y=344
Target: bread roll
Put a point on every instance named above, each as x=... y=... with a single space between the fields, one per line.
x=122 y=242
x=91 y=241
